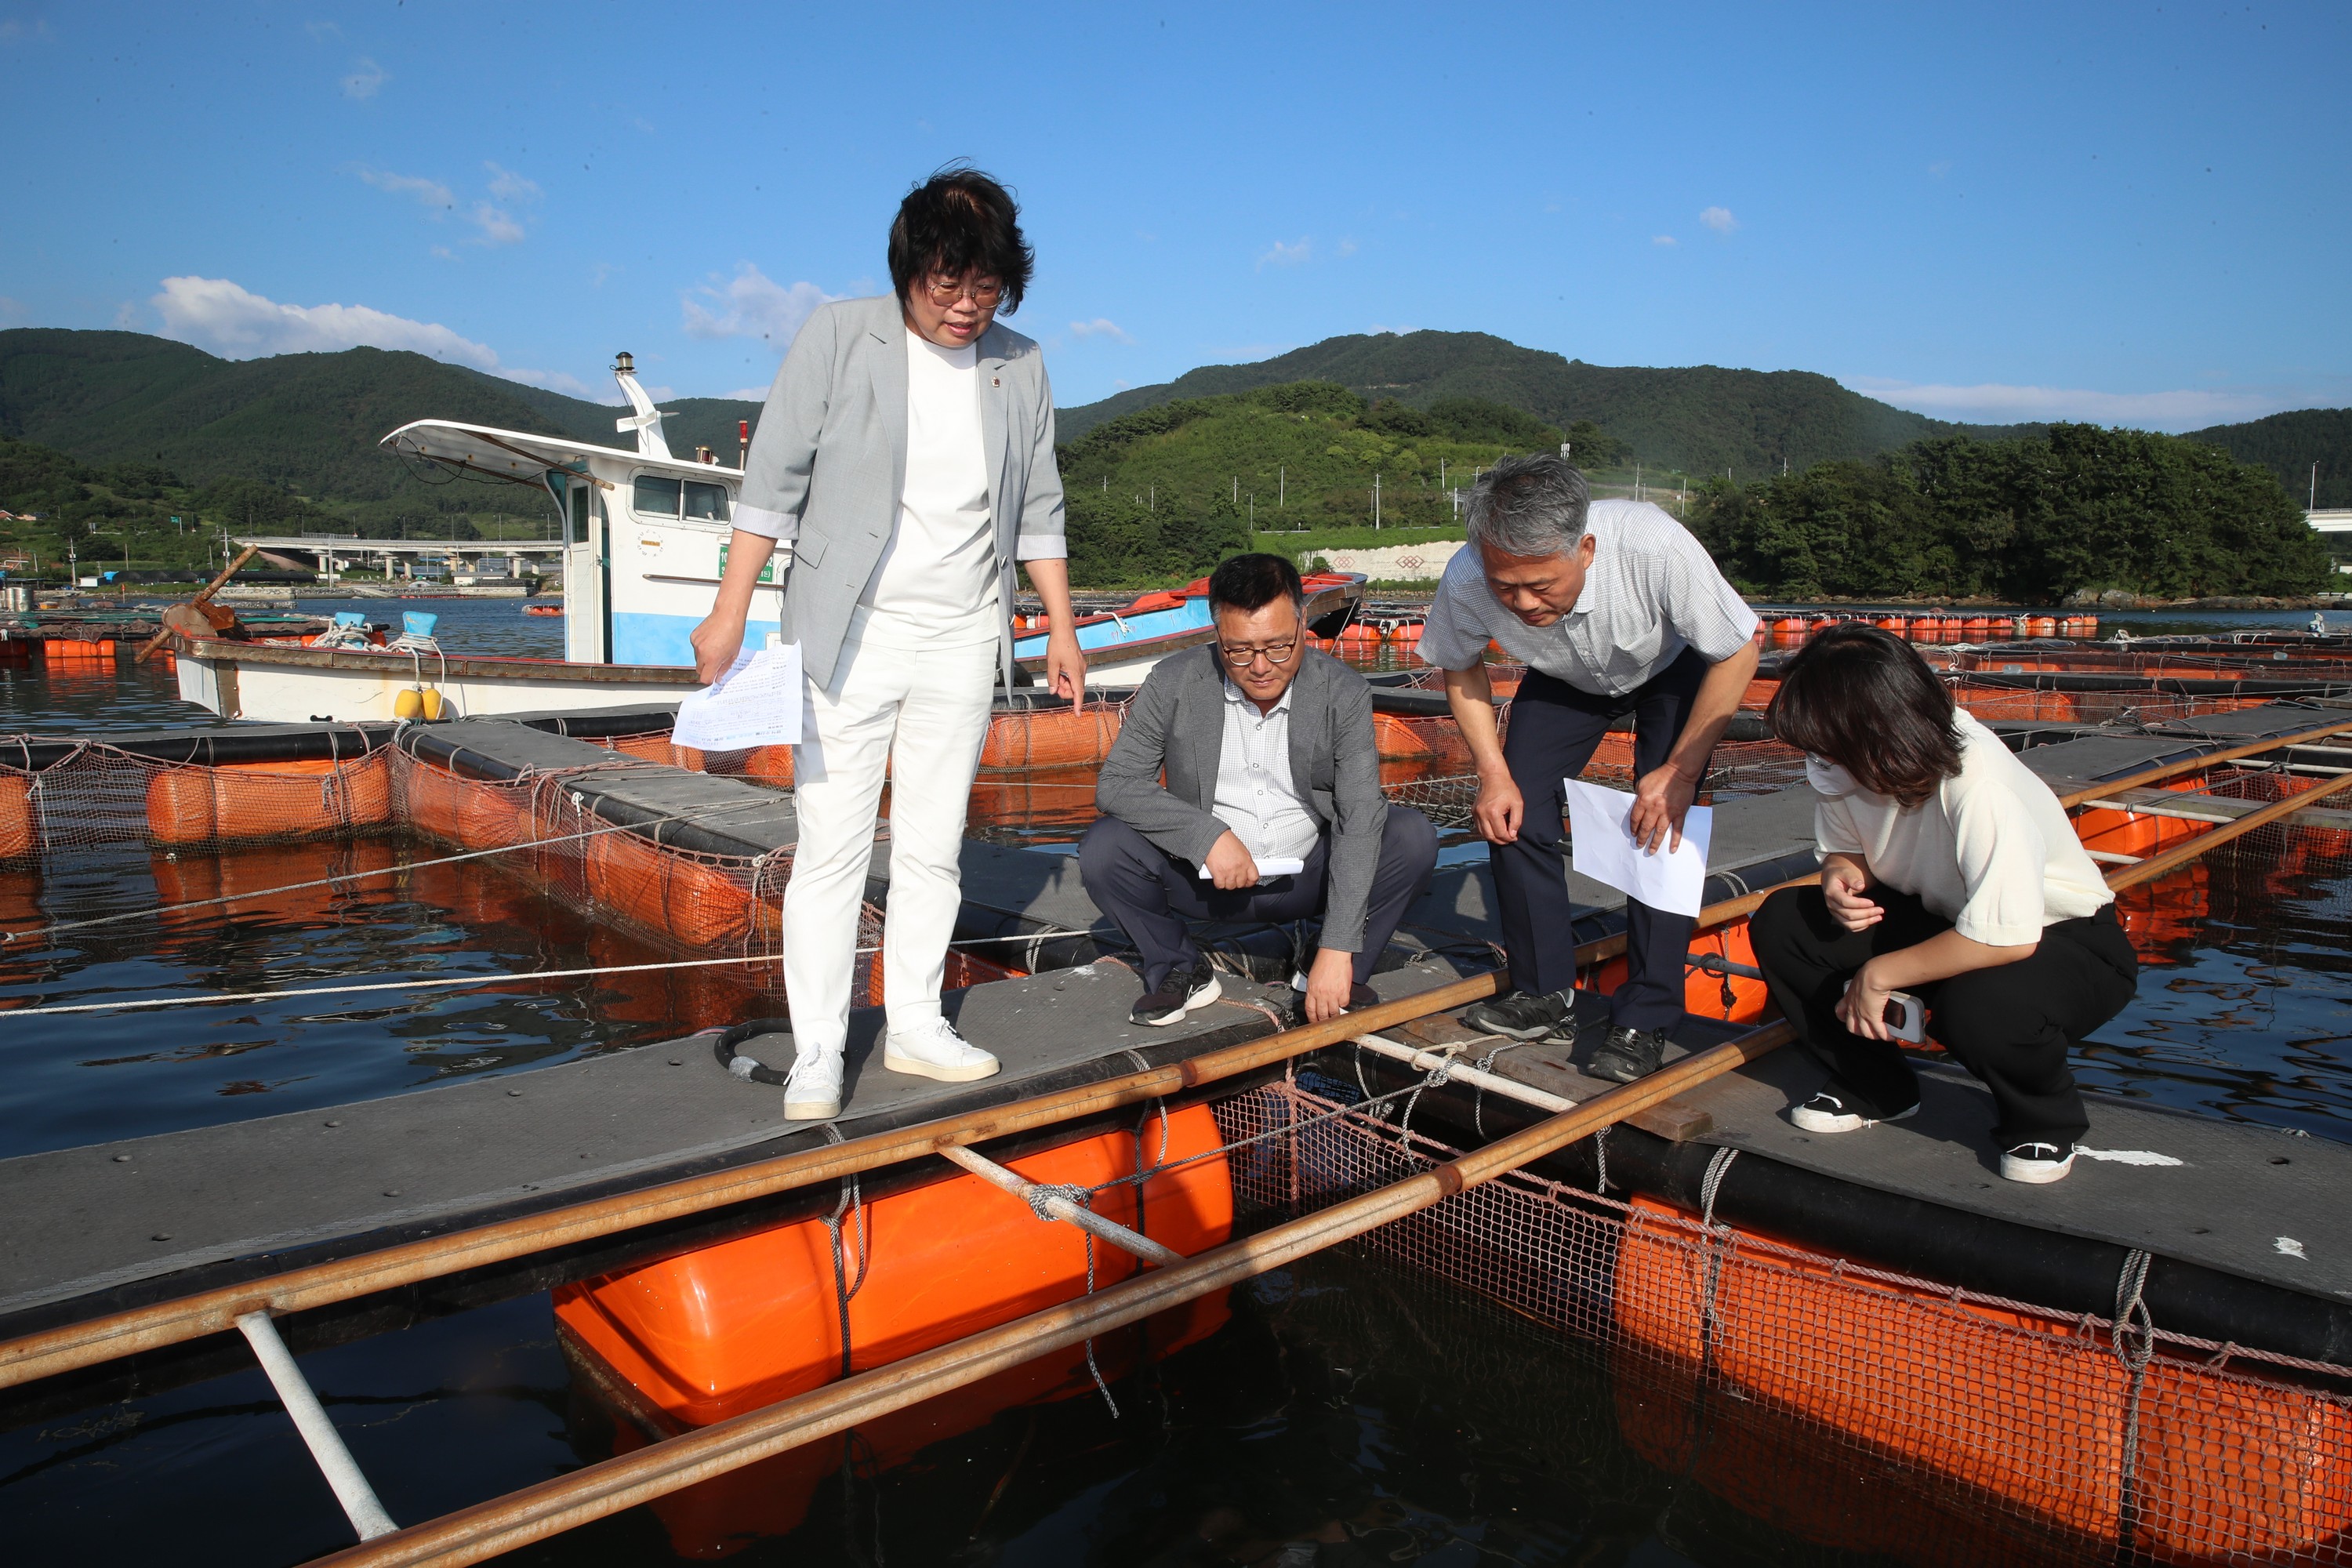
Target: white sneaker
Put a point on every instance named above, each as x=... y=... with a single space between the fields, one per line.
x=1825 y=1112
x=935 y=1050
x=2037 y=1163
x=812 y=1089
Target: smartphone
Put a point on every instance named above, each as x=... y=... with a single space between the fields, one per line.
x=1906 y=1017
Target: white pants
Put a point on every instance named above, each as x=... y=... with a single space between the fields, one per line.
x=922 y=710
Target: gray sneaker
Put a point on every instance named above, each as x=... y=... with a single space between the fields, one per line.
x=1519 y=1016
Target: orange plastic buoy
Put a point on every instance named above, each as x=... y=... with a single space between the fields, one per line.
x=269 y=800
x=773 y=766
x=744 y=1323
x=2041 y=625
x=1051 y=738
x=1977 y=627
x=19 y=829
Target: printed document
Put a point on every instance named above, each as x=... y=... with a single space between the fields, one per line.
x=1272 y=866
x=1602 y=847
x=756 y=703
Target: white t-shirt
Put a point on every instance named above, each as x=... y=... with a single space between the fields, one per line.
x=938 y=569
x=1652 y=591
x=1992 y=850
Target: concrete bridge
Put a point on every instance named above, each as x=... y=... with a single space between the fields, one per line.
x=329 y=553
x=2335 y=520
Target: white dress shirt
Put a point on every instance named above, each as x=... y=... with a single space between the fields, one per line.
x=1254 y=796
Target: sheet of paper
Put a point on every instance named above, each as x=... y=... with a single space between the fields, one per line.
x=756 y=703
x=1273 y=865
x=1602 y=847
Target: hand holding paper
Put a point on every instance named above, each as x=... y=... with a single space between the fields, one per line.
x=1603 y=847
x=756 y=703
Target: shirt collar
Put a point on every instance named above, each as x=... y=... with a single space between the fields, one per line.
x=1233 y=693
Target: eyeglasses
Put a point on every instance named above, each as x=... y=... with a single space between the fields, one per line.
x=945 y=292
x=1277 y=654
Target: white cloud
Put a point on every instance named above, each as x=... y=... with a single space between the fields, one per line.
x=1283 y=255
x=1347 y=248
x=1993 y=402
x=126 y=317
x=747 y=395
x=1100 y=327
x=366 y=79
x=497 y=225
x=11 y=310
x=427 y=193
x=751 y=305
x=510 y=187
x=321 y=31
x=563 y=381
x=1718 y=219
x=1394 y=331
x=1664 y=239
x=1940 y=168
x=13 y=29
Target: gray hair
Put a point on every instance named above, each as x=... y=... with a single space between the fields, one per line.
x=1531 y=506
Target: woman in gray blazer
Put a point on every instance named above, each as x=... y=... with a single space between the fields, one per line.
x=905 y=457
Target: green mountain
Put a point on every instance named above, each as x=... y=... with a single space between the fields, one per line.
x=304 y=423
x=1698 y=419
x=2288 y=445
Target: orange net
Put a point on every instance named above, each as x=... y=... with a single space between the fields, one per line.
x=1857 y=1409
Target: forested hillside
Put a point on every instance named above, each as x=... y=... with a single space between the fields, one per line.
x=2029 y=521
x=2290 y=445
x=1698 y=419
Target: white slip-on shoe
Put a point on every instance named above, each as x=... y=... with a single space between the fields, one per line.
x=1825 y=1112
x=2037 y=1163
x=935 y=1050
x=813 y=1091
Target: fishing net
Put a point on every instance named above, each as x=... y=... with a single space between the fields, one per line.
x=1857 y=1409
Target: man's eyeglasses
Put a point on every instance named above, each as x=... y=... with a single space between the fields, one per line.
x=945 y=292
x=1276 y=654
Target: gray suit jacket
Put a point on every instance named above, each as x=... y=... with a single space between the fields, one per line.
x=829 y=463
x=1177 y=725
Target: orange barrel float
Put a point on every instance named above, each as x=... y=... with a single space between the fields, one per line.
x=1977 y=629
x=770 y=765
x=269 y=800
x=2015 y=1408
x=2042 y=626
x=729 y=1327
x=20 y=829
x=1051 y=737
x=672 y=893
x=1889 y=623
x=1789 y=628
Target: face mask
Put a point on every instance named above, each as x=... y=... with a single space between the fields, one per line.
x=1828 y=778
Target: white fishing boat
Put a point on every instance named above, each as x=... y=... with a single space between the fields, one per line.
x=644 y=543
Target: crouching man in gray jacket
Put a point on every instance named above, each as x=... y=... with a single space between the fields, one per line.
x=1269 y=757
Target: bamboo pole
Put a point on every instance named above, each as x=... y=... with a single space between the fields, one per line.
x=207 y=592
x=1059 y=1208
x=536 y=1512
x=2204 y=760
x=2181 y=854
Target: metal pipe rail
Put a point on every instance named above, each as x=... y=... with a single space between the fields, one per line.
x=1047 y=1201
x=2202 y=760
x=593 y=1491
x=318 y=1435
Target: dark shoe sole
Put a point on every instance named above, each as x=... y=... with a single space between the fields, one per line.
x=1541 y=1032
x=1194 y=1003
x=1618 y=1069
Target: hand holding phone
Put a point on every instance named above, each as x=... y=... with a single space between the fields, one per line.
x=1905 y=1017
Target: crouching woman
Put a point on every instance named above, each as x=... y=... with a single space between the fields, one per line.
x=1951 y=873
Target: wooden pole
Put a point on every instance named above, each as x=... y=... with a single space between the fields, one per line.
x=536 y=1512
x=2181 y=854
x=202 y=594
x=2205 y=759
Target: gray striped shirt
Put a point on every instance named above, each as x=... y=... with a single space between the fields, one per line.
x=1652 y=591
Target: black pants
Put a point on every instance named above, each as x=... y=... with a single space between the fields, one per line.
x=2011 y=1026
x=1150 y=893
x=1553 y=731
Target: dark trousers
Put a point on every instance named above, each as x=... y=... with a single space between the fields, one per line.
x=2011 y=1026
x=1553 y=731
x=1150 y=893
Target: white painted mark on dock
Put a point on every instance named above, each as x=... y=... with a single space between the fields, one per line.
x=2126 y=1156
x=2291 y=1247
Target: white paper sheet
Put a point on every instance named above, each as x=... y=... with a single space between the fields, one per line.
x=1272 y=866
x=1601 y=847
x=756 y=703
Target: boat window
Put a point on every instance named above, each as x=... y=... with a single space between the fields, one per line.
x=706 y=502
x=579 y=513
x=656 y=497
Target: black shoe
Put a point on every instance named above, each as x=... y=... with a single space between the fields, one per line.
x=1520 y=1016
x=1628 y=1054
x=1183 y=990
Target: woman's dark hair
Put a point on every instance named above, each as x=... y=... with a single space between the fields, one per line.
x=956 y=222
x=1251 y=583
x=1865 y=700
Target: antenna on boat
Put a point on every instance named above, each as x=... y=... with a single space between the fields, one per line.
x=645 y=419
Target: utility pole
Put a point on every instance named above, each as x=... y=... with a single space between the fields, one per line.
x=2313 y=505
x=1376 y=500
x=1281 y=487
x=1237 y=489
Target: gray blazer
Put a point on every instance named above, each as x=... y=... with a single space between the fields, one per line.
x=1177 y=725
x=829 y=463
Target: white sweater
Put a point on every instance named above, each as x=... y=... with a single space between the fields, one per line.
x=937 y=572
x=1992 y=850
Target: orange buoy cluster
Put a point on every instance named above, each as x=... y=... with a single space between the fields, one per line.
x=20 y=825
x=2019 y=1409
x=189 y=806
x=75 y=651
x=731 y=1327
x=1935 y=625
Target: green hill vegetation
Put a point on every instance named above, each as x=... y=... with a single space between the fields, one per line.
x=2026 y=521
x=1698 y=419
x=2289 y=445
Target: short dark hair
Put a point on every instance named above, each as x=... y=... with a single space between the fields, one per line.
x=1865 y=700
x=1530 y=506
x=1251 y=583
x=956 y=222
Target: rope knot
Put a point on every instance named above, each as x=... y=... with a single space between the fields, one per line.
x=1039 y=1194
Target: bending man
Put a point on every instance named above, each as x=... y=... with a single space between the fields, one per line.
x=1617 y=612
x=1269 y=752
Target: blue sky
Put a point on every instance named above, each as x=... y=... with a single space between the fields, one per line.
x=2127 y=213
